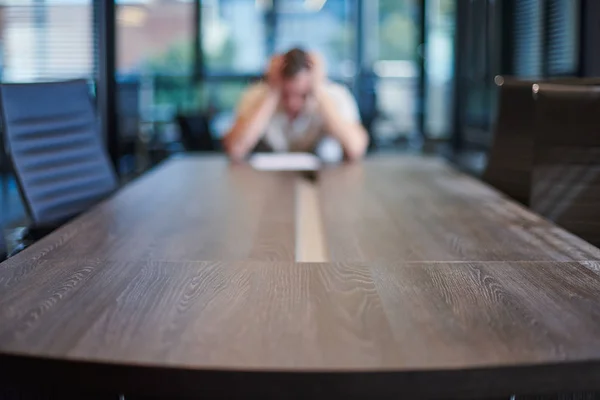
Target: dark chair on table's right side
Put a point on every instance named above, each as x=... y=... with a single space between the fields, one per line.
x=510 y=159
x=52 y=136
x=566 y=164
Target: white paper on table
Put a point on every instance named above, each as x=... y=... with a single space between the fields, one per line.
x=285 y=162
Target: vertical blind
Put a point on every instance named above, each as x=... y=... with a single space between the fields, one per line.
x=528 y=38
x=46 y=40
x=562 y=37
x=546 y=37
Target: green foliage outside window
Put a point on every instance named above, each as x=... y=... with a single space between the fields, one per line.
x=174 y=85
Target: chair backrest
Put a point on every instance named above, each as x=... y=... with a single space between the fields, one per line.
x=566 y=166
x=510 y=158
x=195 y=132
x=55 y=146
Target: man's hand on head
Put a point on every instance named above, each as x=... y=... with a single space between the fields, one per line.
x=274 y=76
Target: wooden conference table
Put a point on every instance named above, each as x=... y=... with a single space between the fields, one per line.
x=398 y=277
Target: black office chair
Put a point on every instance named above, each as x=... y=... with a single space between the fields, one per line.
x=196 y=133
x=56 y=150
x=511 y=155
x=510 y=160
x=566 y=164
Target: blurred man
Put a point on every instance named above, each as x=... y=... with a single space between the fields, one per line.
x=294 y=109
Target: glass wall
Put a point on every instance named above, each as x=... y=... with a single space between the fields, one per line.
x=480 y=61
x=325 y=27
x=563 y=37
x=155 y=37
x=371 y=46
x=181 y=65
x=234 y=36
x=391 y=51
x=46 y=40
x=546 y=38
x=234 y=52
x=528 y=38
x=155 y=42
x=169 y=63
x=239 y=36
x=439 y=67
x=155 y=67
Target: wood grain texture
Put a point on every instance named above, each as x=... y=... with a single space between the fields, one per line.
x=310 y=240
x=510 y=160
x=417 y=209
x=396 y=318
x=566 y=174
x=187 y=209
x=184 y=283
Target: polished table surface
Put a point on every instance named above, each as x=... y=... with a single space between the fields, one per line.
x=190 y=280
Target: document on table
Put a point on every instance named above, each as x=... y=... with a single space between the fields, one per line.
x=285 y=162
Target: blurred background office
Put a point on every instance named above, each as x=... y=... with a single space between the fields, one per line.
x=168 y=73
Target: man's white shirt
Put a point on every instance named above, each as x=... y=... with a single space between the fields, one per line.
x=306 y=131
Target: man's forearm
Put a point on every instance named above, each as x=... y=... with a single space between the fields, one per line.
x=247 y=131
x=351 y=135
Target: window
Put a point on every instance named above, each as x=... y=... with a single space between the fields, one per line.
x=546 y=38
x=46 y=40
x=155 y=37
x=391 y=47
x=239 y=36
x=479 y=47
x=439 y=65
x=563 y=37
x=528 y=38
x=324 y=27
x=155 y=65
x=234 y=36
x=397 y=29
x=222 y=98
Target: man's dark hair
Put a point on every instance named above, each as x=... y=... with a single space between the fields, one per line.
x=294 y=62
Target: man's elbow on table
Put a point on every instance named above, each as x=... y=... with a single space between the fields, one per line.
x=234 y=146
x=356 y=149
